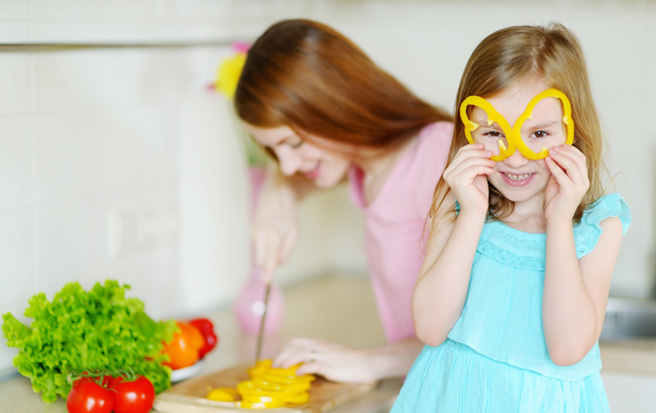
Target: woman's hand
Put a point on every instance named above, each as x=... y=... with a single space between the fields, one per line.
x=275 y=224
x=333 y=361
x=568 y=183
x=467 y=177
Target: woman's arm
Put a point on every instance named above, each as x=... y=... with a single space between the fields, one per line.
x=275 y=222
x=344 y=364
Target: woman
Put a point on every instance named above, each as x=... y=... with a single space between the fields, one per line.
x=328 y=114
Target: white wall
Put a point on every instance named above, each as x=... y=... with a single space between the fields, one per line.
x=93 y=141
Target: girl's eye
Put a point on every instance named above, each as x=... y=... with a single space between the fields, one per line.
x=540 y=134
x=493 y=134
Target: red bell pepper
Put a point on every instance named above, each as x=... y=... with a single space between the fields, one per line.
x=206 y=329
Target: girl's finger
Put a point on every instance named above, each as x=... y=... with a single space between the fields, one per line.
x=476 y=170
x=578 y=158
x=474 y=149
x=573 y=164
x=557 y=171
x=572 y=149
x=472 y=146
x=465 y=166
x=477 y=155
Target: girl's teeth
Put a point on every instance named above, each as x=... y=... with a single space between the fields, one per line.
x=517 y=177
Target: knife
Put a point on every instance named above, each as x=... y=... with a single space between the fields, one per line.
x=260 y=335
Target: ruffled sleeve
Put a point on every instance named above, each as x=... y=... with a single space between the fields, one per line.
x=588 y=232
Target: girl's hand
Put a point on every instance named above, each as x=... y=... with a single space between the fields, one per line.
x=333 y=361
x=275 y=228
x=467 y=177
x=568 y=183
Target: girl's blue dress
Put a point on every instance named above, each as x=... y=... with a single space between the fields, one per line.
x=495 y=358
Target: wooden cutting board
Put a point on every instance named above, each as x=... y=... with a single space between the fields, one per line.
x=189 y=395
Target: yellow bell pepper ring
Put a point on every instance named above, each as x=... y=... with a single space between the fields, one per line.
x=297 y=398
x=248 y=387
x=263 y=383
x=261 y=405
x=264 y=367
x=513 y=134
x=223 y=394
x=492 y=116
x=263 y=397
x=257 y=397
x=286 y=380
x=271 y=387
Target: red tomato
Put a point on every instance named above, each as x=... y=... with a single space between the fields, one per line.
x=103 y=381
x=206 y=329
x=132 y=396
x=89 y=397
x=183 y=349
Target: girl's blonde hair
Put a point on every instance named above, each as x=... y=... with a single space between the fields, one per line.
x=552 y=55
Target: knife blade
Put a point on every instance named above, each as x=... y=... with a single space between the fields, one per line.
x=260 y=334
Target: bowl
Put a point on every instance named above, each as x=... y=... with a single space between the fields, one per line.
x=187 y=372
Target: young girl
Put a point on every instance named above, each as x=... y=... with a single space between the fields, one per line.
x=329 y=114
x=511 y=297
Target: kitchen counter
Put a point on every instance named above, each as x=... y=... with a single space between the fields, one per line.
x=336 y=308
x=636 y=356
x=340 y=309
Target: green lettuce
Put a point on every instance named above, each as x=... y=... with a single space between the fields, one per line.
x=96 y=331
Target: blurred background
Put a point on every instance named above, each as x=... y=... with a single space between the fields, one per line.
x=118 y=162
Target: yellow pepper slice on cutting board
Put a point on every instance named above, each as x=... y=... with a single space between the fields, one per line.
x=223 y=394
x=268 y=388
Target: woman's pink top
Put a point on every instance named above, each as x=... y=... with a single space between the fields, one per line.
x=394 y=225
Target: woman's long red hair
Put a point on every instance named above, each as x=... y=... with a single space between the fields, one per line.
x=305 y=75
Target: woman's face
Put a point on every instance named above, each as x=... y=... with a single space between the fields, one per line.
x=323 y=166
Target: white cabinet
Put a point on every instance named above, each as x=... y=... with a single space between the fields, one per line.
x=630 y=392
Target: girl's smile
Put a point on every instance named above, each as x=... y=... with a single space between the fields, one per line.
x=517 y=179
